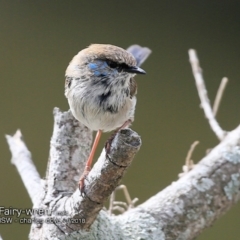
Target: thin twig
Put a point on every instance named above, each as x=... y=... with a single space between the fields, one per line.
x=111 y=202
x=21 y=158
x=189 y=163
x=202 y=92
x=127 y=196
x=219 y=95
x=117 y=205
x=119 y=209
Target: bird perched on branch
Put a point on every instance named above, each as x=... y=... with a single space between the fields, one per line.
x=101 y=89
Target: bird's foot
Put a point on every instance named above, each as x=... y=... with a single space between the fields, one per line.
x=81 y=184
x=109 y=141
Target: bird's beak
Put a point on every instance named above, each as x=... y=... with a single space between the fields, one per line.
x=134 y=69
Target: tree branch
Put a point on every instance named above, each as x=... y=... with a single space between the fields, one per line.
x=69 y=150
x=67 y=147
x=180 y=211
x=195 y=201
x=202 y=92
x=22 y=160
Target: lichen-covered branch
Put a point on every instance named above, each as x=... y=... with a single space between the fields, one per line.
x=181 y=211
x=195 y=201
x=69 y=148
x=70 y=140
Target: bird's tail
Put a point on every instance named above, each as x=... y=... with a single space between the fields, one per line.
x=140 y=53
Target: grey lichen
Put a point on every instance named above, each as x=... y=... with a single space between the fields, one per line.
x=233 y=156
x=192 y=215
x=209 y=198
x=147 y=228
x=203 y=184
x=233 y=186
x=209 y=214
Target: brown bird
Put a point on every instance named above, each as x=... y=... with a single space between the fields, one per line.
x=101 y=89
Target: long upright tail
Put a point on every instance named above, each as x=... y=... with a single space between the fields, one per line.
x=140 y=53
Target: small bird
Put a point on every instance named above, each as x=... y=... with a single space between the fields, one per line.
x=101 y=89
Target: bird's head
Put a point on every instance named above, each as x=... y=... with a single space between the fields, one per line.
x=101 y=62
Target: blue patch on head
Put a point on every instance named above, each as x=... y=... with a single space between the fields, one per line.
x=98 y=68
x=93 y=66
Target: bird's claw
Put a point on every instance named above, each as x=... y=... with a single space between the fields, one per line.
x=109 y=143
x=81 y=184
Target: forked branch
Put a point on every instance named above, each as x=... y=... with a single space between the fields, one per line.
x=202 y=92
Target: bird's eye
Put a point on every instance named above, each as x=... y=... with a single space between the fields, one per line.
x=112 y=64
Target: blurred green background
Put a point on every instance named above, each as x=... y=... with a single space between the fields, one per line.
x=39 y=38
